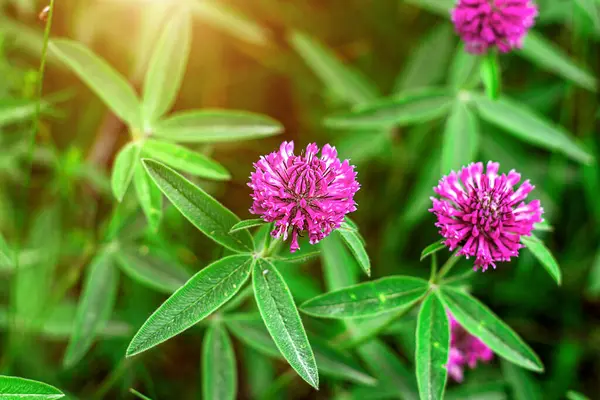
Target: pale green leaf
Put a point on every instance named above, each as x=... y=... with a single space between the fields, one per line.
x=461 y=138
x=463 y=69
x=526 y=125
x=432 y=248
x=433 y=346
x=542 y=52
x=357 y=248
x=151 y=268
x=481 y=322
x=212 y=126
x=247 y=224
x=107 y=83
x=148 y=195
x=166 y=68
x=367 y=299
x=205 y=292
x=219 y=371
x=186 y=160
x=202 y=210
x=281 y=318
x=95 y=306
x=407 y=109
x=12 y=388
x=124 y=169
x=544 y=256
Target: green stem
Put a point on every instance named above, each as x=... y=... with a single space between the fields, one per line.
x=453 y=259
x=434 y=267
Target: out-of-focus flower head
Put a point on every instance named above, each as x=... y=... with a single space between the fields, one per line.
x=465 y=349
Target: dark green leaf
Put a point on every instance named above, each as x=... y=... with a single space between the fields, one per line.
x=432 y=248
x=367 y=299
x=544 y=256
x=95 y=306
x=433 y=345
x=202 y=210
x=219 y=372
x=246 y=224
x=524 y=124
x=149 y=195
x=199 y=297
x=357 y=248
x=186 y=160
x=212 y=126
x=107 y=83
x=407 y=109
x=281 y=317
x=124 y=168
x=461 y=138
x=166 y=68
x=481 y=322
x=19 y=388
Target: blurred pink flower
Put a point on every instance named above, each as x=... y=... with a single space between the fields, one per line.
x=304 y=192
x=484 y=24
x=483 y=214
x=465 y=349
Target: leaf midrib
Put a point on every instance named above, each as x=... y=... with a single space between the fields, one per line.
x=371 y=299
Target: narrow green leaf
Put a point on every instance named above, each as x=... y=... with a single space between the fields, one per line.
x=216 y=126
x=542 y=52
x=433 y=346
x=348 y=85
x=124 y=169
x=219 y=373
x=107 y=83
x=522 y=384
x=95 y=306
x=202 y=210
x=340 y=268
x=544 y=256
x=526 y=125
x=259 y=372
x=461 y=138
x=150 y=268
x=543 y=227
x=481 y=322
x=407 y=109
x=205 y=292
x=184 y=159
x=573 y=395
x=246 y=224
x=357 y=248
x=166 y=68
x=463 y=69
x=249 y=329
x=138 y=394
x=281 y=318
x=432 y=248
x=304 y=254
x=367 y=299
x=12 y=387
x=490 y=75
x=6 y=255
x=16 y=110
x=148 y=195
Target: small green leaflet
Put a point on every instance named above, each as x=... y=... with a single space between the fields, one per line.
x=150 y=268
x=461 y=138
x=432 y=248
x=480 y=321
x=149 y=196
x=124 y=168
x=490 y=74
x=95 y=306
x=108 y=84
x=186 y=160
x=542 y=52
x=216 y=126
x=6 y=255
x=19 y=388
x=525 y=125
x=281 y=318
x=407 y=109
x=202 y=210
x=204 y=293
x=433 y=346
x=166 y=68
x=247 y=224
x=544 y=256
x=357 y=248
x=348 y=85
x=219 y=371
x=367 y=299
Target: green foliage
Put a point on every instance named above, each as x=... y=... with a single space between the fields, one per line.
x=18 y=388
x=219 y=377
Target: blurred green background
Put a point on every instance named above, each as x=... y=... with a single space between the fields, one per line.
x=297 y=62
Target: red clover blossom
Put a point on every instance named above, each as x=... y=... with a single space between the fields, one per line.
x=303 y=192
x=465 y=349
x=484 y=24
x=484 y=214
